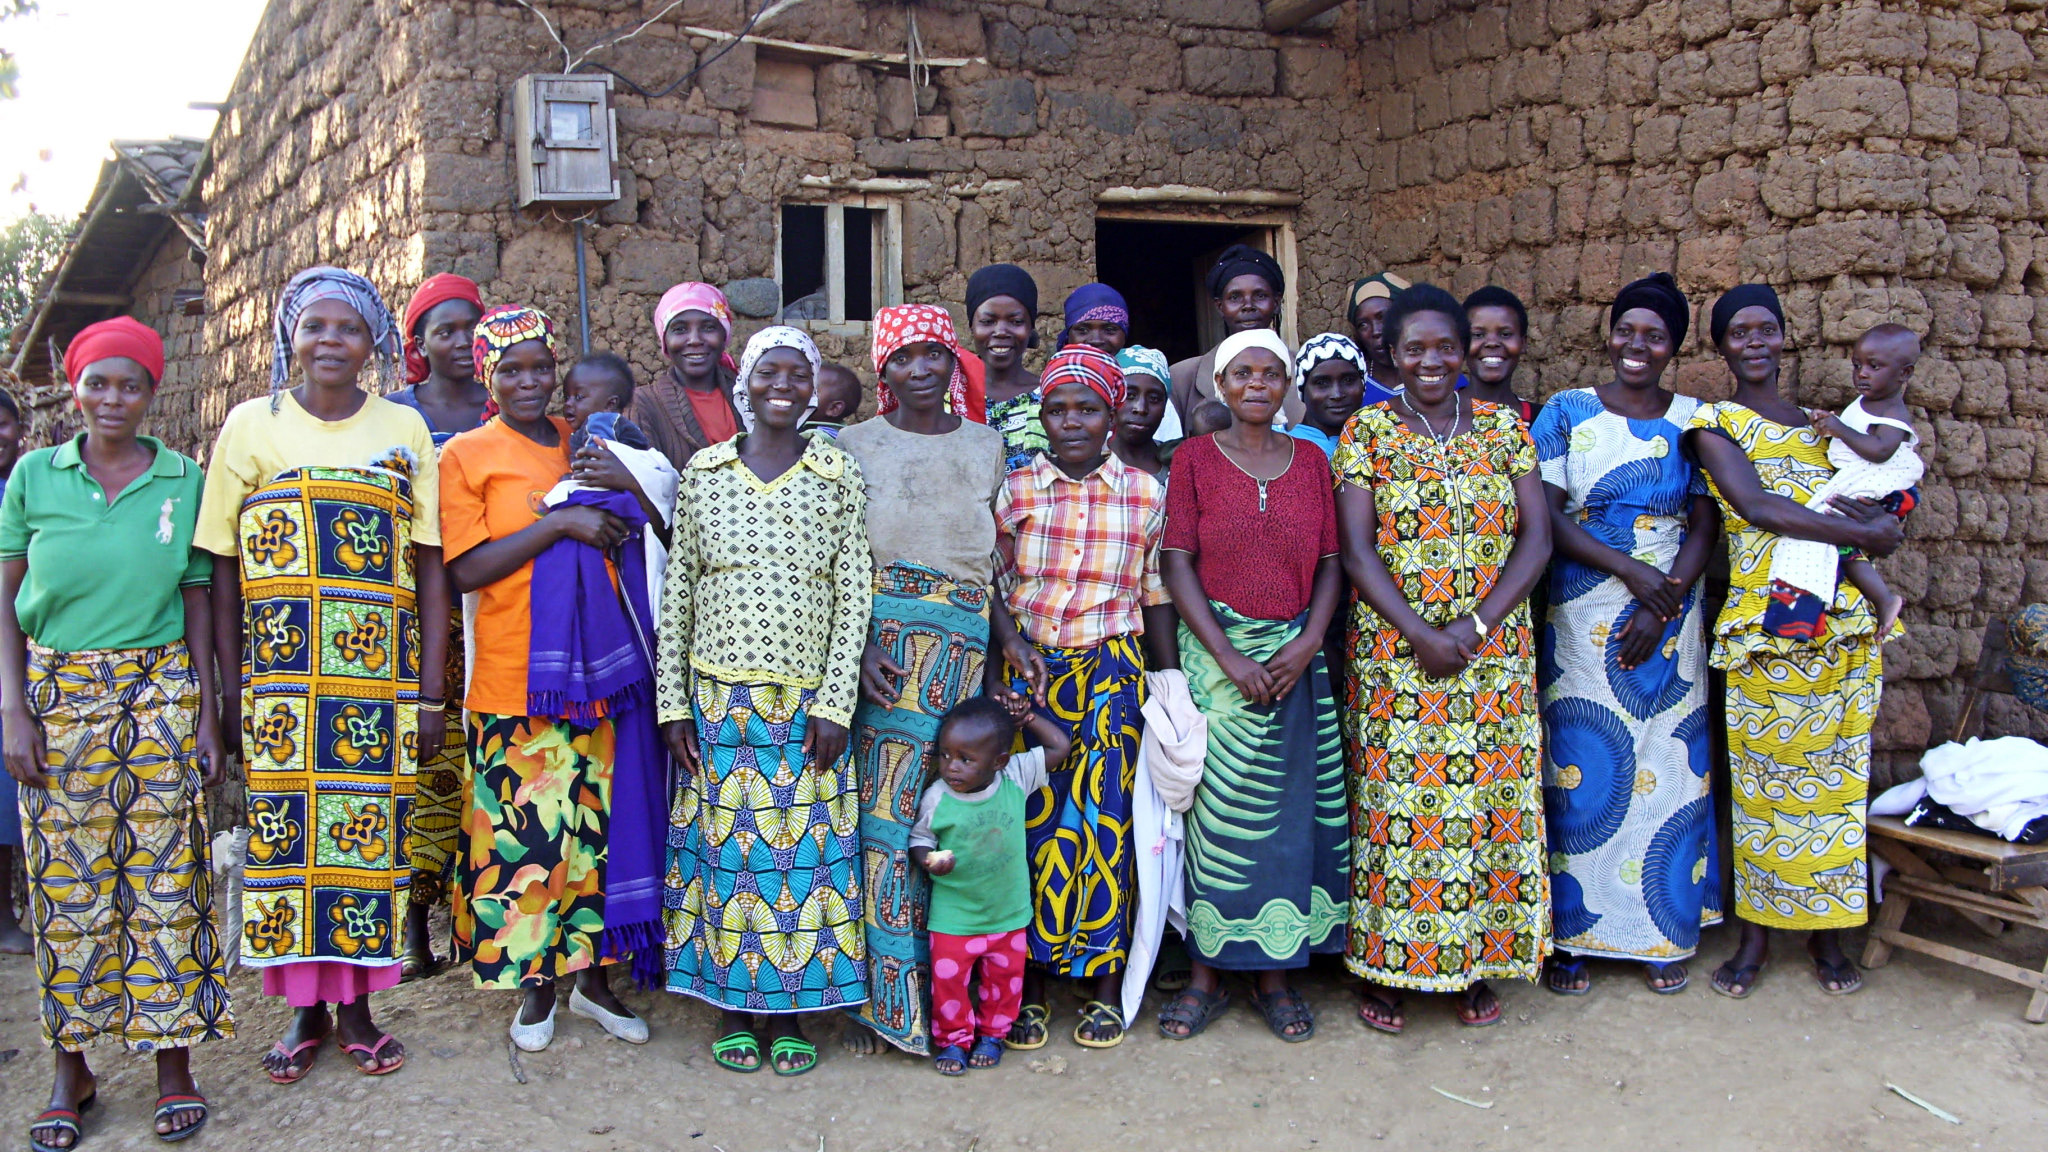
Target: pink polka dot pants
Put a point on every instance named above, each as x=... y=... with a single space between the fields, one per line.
x=999 y=959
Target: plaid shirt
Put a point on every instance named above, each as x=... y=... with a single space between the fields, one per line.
x=1079 y=559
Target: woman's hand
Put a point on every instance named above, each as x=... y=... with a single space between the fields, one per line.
x=1291 y=662
x=881 y=679
x=1029 y=662
x=433 y=734
x=1442 y=654
x=210 y=749
x=824 y=743
x=597 y=466
x=24 y=749
x=1879 y=531
x=1253 y=681
x=584 y=524
x=1640 y=638
x=1661 y=593
x=681 y=738
x=231 y=718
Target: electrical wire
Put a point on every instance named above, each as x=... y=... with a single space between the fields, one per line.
x=656 y=94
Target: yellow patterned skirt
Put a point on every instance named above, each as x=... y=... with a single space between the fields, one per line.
x=120 y=888
x=1799 y=720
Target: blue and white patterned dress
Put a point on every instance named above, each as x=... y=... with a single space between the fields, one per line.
x=1626 y=787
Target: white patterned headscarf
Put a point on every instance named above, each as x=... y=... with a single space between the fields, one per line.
x=1328 y=346
x=778 y=336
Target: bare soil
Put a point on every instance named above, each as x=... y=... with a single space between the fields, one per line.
x=1789 y=1068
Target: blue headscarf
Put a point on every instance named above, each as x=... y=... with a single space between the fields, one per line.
x=1146 y=362
x=1095 y=302
x=327 y=283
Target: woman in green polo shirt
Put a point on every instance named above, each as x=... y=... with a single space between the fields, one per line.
x=111 y=729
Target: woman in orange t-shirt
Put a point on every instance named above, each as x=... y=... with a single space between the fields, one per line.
x=530 y=904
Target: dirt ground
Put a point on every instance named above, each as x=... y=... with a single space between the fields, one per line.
x=1788 y=1068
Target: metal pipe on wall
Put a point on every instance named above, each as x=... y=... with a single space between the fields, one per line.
x=582 y=294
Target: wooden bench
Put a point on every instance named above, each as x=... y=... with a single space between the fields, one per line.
x=2000 y=883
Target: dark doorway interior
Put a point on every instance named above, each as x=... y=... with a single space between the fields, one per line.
x=1158 y=265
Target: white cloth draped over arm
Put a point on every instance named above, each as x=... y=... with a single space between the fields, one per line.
x=1174 y=730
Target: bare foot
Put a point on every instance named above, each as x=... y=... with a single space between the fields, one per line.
x=859 y=1039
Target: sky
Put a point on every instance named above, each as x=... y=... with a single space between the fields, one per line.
x=93 y=71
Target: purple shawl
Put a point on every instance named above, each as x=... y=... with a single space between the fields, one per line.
x=589 y=659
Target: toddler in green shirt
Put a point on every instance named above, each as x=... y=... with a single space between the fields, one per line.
x=969 y=837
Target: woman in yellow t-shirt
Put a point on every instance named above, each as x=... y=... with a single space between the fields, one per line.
x=322 y=510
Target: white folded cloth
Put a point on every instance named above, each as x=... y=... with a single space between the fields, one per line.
x=1176 y=738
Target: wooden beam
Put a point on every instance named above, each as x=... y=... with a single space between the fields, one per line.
x=886 y=60
x=1187 y=194
x=1283 y=15
x=90 y=299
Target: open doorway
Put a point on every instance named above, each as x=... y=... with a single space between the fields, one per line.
x=1159 y=266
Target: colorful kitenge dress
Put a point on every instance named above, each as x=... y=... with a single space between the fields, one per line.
x=440 y=789
x=529 y=899
x=1023 y=432
x=1078 y=564
x=1449 y=885
x=1268 y=836
x=1629 y=800
x=763 y=620
x=930 y=547
x=119 y=882
x=1799 y=711
x=322 y=517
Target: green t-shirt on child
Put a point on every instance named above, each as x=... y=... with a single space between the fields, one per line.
x=989 y=888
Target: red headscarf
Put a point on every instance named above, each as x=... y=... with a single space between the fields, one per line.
x=904 y=324
x=120 y=336
x=434 y=291
x=1090 y=367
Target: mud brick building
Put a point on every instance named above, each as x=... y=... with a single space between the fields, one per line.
x=1874 y=160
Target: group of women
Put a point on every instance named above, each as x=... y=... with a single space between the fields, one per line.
x=664 y=690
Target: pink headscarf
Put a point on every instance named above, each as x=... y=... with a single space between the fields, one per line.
x=696 y=296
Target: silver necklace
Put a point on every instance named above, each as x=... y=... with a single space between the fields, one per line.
x=1457 y=413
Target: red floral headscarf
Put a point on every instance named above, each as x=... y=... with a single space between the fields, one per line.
x=905 y=324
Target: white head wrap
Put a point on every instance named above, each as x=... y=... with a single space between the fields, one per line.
x=1256 y=338
x=779 y=336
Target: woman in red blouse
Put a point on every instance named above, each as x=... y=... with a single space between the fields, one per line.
x=1250 y=557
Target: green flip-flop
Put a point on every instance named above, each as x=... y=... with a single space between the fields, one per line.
x=725 y=1049
x=793 y=1046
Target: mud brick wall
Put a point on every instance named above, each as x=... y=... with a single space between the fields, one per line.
x=316 y=160
x=1873 y=161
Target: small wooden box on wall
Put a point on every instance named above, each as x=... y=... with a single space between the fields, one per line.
x=567 y=138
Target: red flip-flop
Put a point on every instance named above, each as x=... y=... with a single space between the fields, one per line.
x=373 y=1068
x=293 y=1072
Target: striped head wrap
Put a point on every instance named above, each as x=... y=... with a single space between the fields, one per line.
x=1328 y=346
x=904 y=324
x=323 y=282
x=504 y=327
x=779 y=336
x=1145 y=362
x=1089 y=367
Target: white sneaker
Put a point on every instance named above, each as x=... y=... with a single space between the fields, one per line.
x=532 y=1037
x=630 y=1028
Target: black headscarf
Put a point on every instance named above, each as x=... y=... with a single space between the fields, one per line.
x=1004 y=280
x=1735 y=300
x=1245 y=260
x=1659 y=293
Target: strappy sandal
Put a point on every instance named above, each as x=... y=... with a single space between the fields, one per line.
x=1847 y=980
x=725 y=1049
x=1100 y=1017
x=1469 y=1012
x=793 y=1046
x=1283 y=1010
x=376 y=1066
x=1729 y=977
x=293 y=1070
x=1562 y=975
x=1193 y=1009
x=988 y=1049
x=171 y=1104
x=1032 y=1028
x=1395 y=1020
x=950 y=1060
x=1655 y=972
x=63 y=1120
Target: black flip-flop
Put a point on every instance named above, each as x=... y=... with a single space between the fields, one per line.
x=172 y=1103
x=64 y=1120
x=1193 y=1008
x=1728 y=976
x=1845 y=975
x=1282 y=1009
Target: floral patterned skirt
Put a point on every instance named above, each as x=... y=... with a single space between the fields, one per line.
x=529 y=906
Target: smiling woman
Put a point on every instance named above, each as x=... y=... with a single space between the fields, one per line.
x=322 y=509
